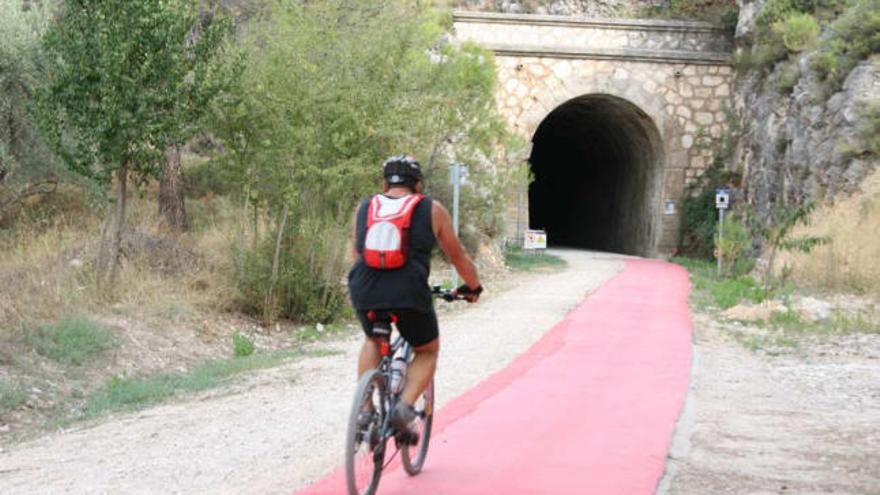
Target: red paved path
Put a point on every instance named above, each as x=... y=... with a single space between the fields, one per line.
x=589 y=409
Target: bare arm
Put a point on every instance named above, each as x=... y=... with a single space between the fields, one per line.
x=449 y=243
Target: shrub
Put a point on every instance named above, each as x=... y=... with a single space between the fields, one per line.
x=786 y=78
x=784 y=26
x=699 y=217
x=798 y=31
x=11 y=396
x=705 y=10
x=27 y=167
x=72 y=340
x=731 y=244
x=870 y=127
x=242 y=345
x=855 y=35
x=308 y=287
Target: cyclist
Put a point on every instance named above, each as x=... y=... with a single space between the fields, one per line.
x=405 y=291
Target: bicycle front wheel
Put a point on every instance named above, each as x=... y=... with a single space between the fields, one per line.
x=364 y=443
x=413 y=456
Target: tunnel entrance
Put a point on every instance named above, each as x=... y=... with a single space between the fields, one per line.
x=597 y=165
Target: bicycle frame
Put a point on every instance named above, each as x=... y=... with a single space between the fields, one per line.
x=384 y=328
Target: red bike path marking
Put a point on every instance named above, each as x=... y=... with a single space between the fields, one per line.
x=588 y=409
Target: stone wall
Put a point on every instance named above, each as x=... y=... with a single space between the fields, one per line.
x=669 y=70
x=687 y=103
x=561 y=34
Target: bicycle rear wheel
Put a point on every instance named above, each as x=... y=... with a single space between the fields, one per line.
x=413 y=456
x=364 y=445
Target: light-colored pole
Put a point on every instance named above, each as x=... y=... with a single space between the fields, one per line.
x=455 y=171
x=720 y=234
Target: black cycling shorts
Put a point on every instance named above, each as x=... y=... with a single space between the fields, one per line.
x=416 y=327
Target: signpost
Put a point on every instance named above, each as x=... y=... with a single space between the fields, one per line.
x=722 y=202
x=457 y=176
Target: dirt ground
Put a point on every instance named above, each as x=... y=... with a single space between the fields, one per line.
x=800 y=420
x=280 y=429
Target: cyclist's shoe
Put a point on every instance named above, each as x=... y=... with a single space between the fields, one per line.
x=368 y=428
x=402 y=417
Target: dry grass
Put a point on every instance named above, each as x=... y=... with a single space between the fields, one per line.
x=851 y=261
x=47 y=269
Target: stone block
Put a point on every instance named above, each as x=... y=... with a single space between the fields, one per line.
x=538 y=70
x=687 y=141
x=704 y=118
x=561 y=69
x=712 y=81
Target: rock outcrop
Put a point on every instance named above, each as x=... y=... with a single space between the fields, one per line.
x=797 y=143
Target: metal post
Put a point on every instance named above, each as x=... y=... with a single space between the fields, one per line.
x=455 y=171
x=720 y=234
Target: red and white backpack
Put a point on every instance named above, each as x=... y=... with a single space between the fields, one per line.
x=388 y=221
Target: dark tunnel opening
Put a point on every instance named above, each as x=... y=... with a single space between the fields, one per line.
x=596 y=161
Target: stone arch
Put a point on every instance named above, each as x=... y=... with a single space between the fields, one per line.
x=598 y=162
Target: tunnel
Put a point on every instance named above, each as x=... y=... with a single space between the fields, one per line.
x=596 y=162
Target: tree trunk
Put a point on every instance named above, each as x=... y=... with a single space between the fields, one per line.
x=118 y=223
x=100 y=262
x=269 y=312
x=172 y=204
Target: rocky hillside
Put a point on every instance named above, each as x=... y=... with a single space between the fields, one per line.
x=807 y=101
x=807 y=130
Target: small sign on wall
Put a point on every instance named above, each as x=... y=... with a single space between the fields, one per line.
x=535 y=239
x=722 y=199
x=669 y=207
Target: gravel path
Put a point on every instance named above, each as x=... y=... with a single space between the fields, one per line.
x=283 y=428
x=802 y=423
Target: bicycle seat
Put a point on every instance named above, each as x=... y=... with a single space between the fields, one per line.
x=382 y=321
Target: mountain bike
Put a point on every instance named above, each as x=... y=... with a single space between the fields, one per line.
x=369 y=425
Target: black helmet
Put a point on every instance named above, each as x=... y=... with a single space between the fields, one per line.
x=402 y=169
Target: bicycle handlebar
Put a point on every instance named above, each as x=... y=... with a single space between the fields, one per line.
x=446 y=294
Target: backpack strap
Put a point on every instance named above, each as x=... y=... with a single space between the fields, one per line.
x=405 y=212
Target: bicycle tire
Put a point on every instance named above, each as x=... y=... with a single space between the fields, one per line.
x=371 y=383
x=413 y=457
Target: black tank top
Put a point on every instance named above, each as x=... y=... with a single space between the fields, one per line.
x=406 y=287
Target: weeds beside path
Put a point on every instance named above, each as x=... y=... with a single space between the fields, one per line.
x=781 y=320
x=783 y=396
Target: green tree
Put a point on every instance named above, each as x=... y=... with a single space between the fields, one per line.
x=125 y=80
x=330 y=89
x=27 y=167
